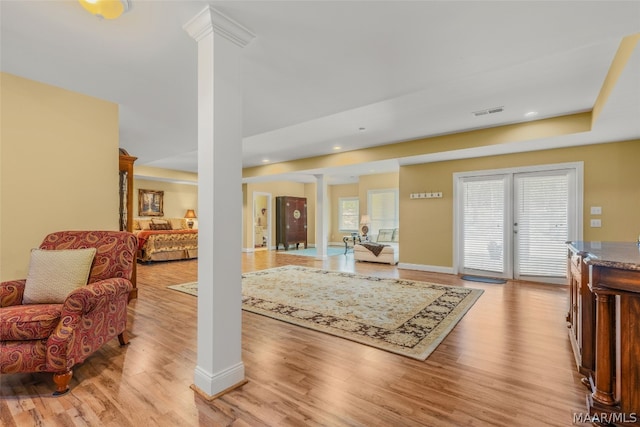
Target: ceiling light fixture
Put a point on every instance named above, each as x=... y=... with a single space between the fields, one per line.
x=337 y=147
x=265 y=160
x=531 y=114
x=106 y=9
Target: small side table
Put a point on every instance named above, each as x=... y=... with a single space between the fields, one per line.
x=353 y=238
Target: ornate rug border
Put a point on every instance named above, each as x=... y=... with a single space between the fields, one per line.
x=420 y=351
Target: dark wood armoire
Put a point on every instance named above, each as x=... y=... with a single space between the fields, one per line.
x=291 y=221
x=125 y=188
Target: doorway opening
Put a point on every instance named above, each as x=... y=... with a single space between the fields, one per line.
x=514 y=223
x=261 y=221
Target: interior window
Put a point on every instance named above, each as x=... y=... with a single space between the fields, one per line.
x=348 y=213
x=384 y=209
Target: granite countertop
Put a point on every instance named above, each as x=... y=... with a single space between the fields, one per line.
x=621 y=255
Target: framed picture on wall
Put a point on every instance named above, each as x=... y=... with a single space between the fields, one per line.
x=150 y=203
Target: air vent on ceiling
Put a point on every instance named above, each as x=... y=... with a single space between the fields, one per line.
x=488 y=111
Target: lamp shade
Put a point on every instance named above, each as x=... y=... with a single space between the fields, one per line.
x=107 y=9
x=190 y=214
x=365 y=220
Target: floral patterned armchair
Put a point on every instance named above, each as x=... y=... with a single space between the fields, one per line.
x=55 y=337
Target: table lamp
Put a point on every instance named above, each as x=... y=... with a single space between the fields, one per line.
x=364 y=222
x=190 y=215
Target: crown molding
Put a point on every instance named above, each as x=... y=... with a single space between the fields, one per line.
x=211 y=20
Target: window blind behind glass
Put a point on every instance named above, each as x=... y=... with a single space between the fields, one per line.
x=542 y=225
x=483 y=225
x=349 y=214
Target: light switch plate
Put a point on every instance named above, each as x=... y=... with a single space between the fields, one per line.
x=596 y=210
x=596 y=223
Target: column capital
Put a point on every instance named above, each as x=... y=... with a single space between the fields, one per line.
x=212 y=20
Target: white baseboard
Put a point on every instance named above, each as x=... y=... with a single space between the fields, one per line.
x=429 y=268
x=309 y=245
x=212 y=384
x=249 y=250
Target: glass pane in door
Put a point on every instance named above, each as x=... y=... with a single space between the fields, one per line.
x=541 y=224
x=483 y=224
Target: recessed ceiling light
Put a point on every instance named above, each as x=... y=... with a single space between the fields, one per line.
x=531 y=114
x=265 y=160
x=337 y=147
x=362 y=129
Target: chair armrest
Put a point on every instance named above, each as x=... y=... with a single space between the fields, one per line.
x=69 y=344
x=11 y=292
x=95 y=296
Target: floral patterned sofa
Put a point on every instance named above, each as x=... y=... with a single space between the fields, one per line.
x=55 y=337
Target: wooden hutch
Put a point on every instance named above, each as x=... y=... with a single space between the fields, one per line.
x=604 y=327
x=126 y=205
x=291 y=221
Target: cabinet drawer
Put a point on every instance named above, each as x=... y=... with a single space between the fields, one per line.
x=576 y=260
x=576 y=266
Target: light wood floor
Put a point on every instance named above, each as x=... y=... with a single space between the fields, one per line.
x=507 y=363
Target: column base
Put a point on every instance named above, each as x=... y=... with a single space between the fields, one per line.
x=209 y=398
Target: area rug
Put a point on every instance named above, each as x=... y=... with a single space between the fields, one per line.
x=190 y=288
x=400 y=316
x=331 y=251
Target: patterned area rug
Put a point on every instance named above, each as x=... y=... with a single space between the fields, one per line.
x=401 y=316
x=190 y=288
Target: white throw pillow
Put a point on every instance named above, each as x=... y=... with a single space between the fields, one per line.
x=385 y=235
x=54 y=274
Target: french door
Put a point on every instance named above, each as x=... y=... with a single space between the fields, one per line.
x=515 y=223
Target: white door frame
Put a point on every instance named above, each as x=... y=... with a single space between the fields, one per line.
x=257 y=194
x=575 y=228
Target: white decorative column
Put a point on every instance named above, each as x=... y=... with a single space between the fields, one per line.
x=322 y=216
x=220 y=39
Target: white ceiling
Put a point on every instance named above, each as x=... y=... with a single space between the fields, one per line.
x=318 y=71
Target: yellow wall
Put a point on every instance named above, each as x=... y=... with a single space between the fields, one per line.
x=59 y=167
x=336 y=192
x=381 y=181
x=310 y=194
x=526 y=131
x=275 y=188
x=611 y=180
x=148 y=172
x=247 y=226
x=360 y=190
x=177 y=197
x=285 y=188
